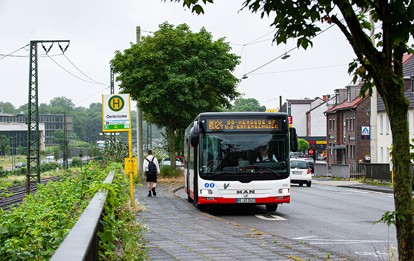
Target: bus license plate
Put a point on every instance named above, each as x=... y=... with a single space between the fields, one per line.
x=245 y=200
x=297 y=172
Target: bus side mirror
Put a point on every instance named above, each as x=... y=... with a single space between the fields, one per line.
x=194 y=133
x=293 y=139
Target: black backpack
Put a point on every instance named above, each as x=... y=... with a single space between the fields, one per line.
x=152 y=169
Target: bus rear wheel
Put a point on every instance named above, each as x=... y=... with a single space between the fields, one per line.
x=272 y=207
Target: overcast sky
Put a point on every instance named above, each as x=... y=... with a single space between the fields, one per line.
x=97 y=28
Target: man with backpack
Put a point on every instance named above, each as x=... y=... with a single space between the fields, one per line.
x=151 y=168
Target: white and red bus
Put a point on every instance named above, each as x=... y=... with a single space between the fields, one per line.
x=239 y=158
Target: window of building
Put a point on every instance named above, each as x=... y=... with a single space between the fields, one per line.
x=381 y=124
x=387 y=156
x=412 y=85
x=387 y=126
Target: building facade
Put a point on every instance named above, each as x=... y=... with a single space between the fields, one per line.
x=309 y=122
x=348 y=125
x=384 y=135
x=51 y=123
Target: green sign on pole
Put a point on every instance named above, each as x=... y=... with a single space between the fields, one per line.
x=116 y=114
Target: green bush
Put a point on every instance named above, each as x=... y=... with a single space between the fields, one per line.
x=169 y=172
x=35 y=229
x=76 y=162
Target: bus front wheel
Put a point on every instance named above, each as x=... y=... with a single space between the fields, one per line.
x=272 y=207
x=198 y=206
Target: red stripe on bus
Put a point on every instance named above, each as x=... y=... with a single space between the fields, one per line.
x=259 y=201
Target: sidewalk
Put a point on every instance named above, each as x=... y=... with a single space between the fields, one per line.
x=179 y=231
x=355 y=184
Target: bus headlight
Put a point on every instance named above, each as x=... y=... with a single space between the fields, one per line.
x=284 y=191
x=206 y=192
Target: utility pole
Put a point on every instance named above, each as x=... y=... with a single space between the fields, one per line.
x=112 y=80
x=140 y=153
x=33 y=134
x=65 y=143
x=374 y=110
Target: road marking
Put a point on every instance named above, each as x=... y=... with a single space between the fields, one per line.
x=320 y=241
x=299 y=238
x=270 y=217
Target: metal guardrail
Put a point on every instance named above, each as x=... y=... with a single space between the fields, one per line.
x=82 y=241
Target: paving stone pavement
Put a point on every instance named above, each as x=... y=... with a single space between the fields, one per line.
x=179 y=231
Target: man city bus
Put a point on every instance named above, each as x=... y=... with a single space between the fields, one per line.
x=239 y=158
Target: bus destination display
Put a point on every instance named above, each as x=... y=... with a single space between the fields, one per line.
x=244 y=124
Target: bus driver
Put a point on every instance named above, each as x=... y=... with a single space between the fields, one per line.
x=264 y=156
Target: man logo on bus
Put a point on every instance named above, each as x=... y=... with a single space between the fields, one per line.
x=116 y=103
x=240 y=191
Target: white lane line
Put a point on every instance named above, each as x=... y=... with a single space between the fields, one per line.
x=320 y=241
x=299 y=238
x=271 y=217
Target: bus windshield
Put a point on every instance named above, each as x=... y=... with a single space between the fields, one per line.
x=262 y=156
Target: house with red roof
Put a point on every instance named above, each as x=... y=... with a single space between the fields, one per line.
x=348 y=124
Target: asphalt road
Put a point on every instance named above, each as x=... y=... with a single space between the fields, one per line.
x=336 y=219
x=321 y=222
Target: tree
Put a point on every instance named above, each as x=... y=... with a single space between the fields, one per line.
x=176 y=74
x=59 y=138
x=61 y=105
x=7 y=107
x=247 y=104
x=378 y=64
x=4 y=144
x=303 y=144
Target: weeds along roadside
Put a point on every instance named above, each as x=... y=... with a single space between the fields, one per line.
x=36 y=228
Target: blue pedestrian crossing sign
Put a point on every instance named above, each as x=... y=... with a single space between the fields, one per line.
x=365 y=133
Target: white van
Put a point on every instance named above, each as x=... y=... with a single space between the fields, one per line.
x=50 y=159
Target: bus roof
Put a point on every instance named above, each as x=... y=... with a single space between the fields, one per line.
x=219 y=114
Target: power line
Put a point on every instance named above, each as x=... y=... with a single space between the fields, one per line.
x=92 y=95
x=304 y=69
x=7 y=55
x=94 y=82
x=83 y=72
x=282 y=55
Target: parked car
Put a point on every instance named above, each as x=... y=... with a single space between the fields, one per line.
x=300 y=172
x=167 y=162
x=20 y=165
x=311 y=164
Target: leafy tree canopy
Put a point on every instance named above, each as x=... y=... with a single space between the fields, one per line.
x=303 y=144
x=176 y=74
x=247 y=104
x=61 y=105
x=7 y=107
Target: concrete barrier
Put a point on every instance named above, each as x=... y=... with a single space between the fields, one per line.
x=340 y=171
x=320 y=169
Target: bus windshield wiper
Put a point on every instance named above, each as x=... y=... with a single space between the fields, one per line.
x=218 y=173
x=272 y=170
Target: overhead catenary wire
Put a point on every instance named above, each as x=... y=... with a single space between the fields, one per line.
x=282 y=55
x=303 y=69
x=7 y=55
x=83 y=72
x=63 y=68
x=92 y=95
